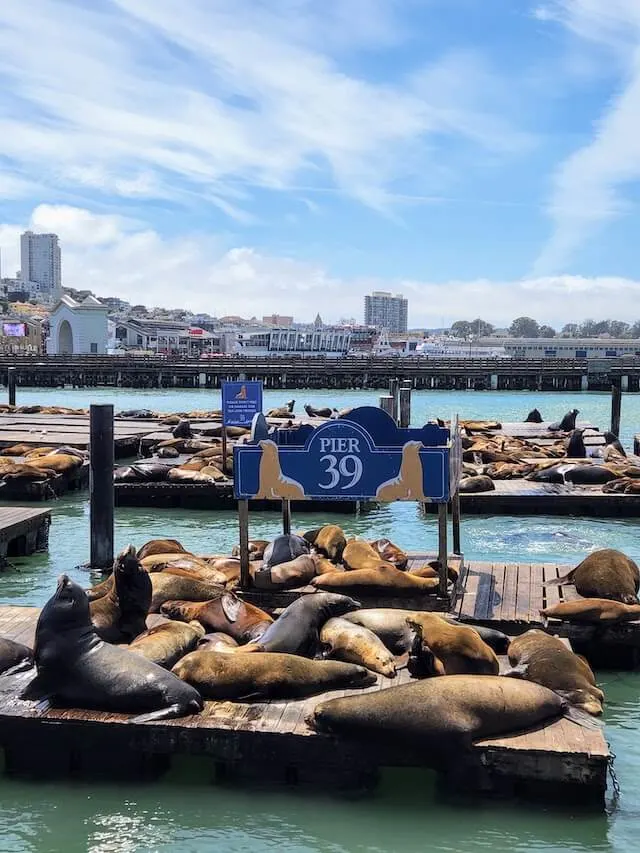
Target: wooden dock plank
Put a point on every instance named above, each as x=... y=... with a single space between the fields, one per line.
x=536 y=598
x=508 y=608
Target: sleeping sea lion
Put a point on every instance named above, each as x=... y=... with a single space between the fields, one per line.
x=226 y=613
x=76 y=669
x=496 y=640
x=256 y=549
x=284 y=548
x=168 y=587
x=267 y=676
x=346 y=641
x=606 y=573
x=385 y=577
x=554 y=474
x=440 y=715
x=589 y=475
x=441 y=647
x=121 y=614
x=165 y=644
x=359 y=554
x=534 y=417
x=389 y=624
x=536 y=656
x=13 y=654
x=593 y=611
x=331 y=541
x=217 y=641
x=318 y=413
x=160 y=546
x=567 y=424
x=390 y=553
x=296 y=631
x=480 y=483
x=324 y=565
x=287 y=575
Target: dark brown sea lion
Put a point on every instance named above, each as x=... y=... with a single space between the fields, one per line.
x=287 y=575
x=441 y=715
x=346 y=641
x=331 y=541
x=225 y=613
x=536 y=656
x=160 y=546
x=481 y=483
x=593 y=611
x=165 y=644
x=390 y=553
x=444 y=648
x=589 y=475
x=385 y=577
x=611 y=440
x=575 y=445
x=606 y=573
x=296 y=631
x=182 y=430
x=567 y=424
x=318 y=413
x=14 y=654
x=534 y=417
x=172 y=588
x=77 y=669
x=121 y=614
x=285 y=547
x=554 y=474
x=267 y=676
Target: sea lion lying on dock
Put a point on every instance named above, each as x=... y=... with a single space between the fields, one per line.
x=441 y=647
x=390 y=553
x=296 y=631
x=318 y=413
x=267 y=676
x=284 y=548
x=256 y=549
x=120 y=615
x=346 y=641
x=160 y=546
x=167 y=587
x=384 y=577
x=76 y=669
x=13 y=654
x=469 y=485
x=165 y=644
x=537 y=656
x=592 y=611
x=293 y=573
x=226 y=613
x=606 y=573
x=589 y=475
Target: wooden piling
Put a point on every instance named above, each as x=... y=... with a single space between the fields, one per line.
x=386 y=404
x=394 y=391
x=442 y=548
x=101 y=459
x=616 y=405
x=225 y=466
x=286 y=516
x=405 y=404
x=455 y=515
x=11 y=385
x=243 y=521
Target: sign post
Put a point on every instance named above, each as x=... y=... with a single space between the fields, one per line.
x=240 y=402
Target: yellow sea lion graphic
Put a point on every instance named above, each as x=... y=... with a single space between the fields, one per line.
x=272 y=483
x=407 y=486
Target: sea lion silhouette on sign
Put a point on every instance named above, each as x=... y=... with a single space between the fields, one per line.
x=242 y=393
x=407 y=486
x=272 y=483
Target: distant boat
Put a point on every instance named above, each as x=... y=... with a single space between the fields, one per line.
x=444 y=348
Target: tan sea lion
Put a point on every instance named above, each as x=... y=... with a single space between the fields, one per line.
x=160 y=546
x=58 y=462
x=442 y=648
x=408 y=485
x=324 y=565
x=331 y=541
x=359 y=554
x=390 y=553
x=386 y=577
x=287 y=575
x=432 y=570
x=267 y=675
x=156 y=562
x=203 y=573
x=194 y=464
x=537 y=656
x=481 y=483
x=226 y=613
x=101 y=589
x=17 y=450
x=593 y=611
x=172 y=588
x=165 y=644
x=272 y=483
x=183 y=475
x=256 y=549
x=38 y=451
x=120 y=615
x=440 y=715
x=229 y=567
x=346 y=641
x=606 y=573
x=217 y=641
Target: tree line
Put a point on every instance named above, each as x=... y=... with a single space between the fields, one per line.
x=527 y=327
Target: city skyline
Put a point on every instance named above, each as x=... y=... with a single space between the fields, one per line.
x=463 y=154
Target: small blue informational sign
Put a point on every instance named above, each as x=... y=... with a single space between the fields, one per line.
x=240 y=402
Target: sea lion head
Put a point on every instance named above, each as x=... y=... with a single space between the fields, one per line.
x=68 y=607
x=129 y=572
x=334 y=604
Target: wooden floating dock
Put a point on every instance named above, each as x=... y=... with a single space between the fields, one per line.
x=45 y=490
x=271 y=743
x=23 y=531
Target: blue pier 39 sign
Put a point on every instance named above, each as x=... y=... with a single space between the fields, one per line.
x=361 y=456
x=240 y=402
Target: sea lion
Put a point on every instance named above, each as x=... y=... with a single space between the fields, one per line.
x=331 y=541
x=167 y=453
x=284 y=548
x=432 y=570
x=534 y=417
x=101 y=589
x=359 y=554
x=191 y=569
x=296 y=631
x=267 y=676
x=440 y=715
x=184 y=475
x=441 y=647
x=216 y=642
x=567 y=424
x=256 y=549
x=388 y=624
x=120 y=615
x=346 y=641
x=536 y=656
x=226 y=613
x=590 y=475
x=554 y=474
x=496 y=640
x=287 y=575
x=324 y=565
x=611 y=440
x=61 y=463
x=385 y=577
x=229 y=567
x=593 y=611
x=168 y=587
x=480 y=483
x=280 y=412
x=575 y=445
x=390 y=553
x=142 y=472
x=606 y=573
x=165 y=644
x=76 y=669
x=318 y=413
x=14 y=654
x=182 y=430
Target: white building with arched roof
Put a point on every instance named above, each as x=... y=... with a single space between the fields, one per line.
x=78 y=328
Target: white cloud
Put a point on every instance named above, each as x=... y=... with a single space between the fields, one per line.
x=114 y=256
x=587 y=188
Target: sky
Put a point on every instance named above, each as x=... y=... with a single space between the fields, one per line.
x=259 y=156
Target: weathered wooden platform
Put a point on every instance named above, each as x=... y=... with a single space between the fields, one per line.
x=271 y=743
x=520 y=429
x=45 y=490
x=23 y=531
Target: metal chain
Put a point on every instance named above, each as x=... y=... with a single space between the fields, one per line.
x=615 y=798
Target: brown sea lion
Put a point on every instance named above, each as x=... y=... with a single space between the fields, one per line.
x=346 y=641
x=17 y=450
x=26 y=472
x=58 y=462
x=217 y=641
x=287 y=575
x=441 y=715
x=537 y=656
x=359 y=554
x=165 y=644
x=194 y=464
x=443 y=648
x=267 y=675
x=470 y=485
x=172 y=588
x=593 y=611
x=229 y=567
x=225 y=613
x=199 y=572
x=256 y=549
x=390 y=553
x=331 y=541
x=324 y=565
x=385 y=577
x=101 y=589
x=120 y=615
x=606 y=573
x=432 y=570
x=160 y=546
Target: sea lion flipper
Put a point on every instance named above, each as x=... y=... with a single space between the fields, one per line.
x=35 y=690
x=565 y=579
x=168 y=713
x=581 y=718
x=231 y=606
x=519 y=671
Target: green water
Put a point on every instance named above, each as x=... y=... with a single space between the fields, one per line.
x=186 y=813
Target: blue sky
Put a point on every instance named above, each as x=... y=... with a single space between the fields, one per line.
x=252 y=156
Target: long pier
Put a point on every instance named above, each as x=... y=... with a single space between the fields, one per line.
x=349 y=372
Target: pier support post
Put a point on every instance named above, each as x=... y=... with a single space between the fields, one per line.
x=225 y=466
x=394 y=390
x=101 y=459
x=286 y=516
x=584 y=383
x=386 y=404
x=616 y=405
x=11 y=385
x=243 y=521
x=455 y=515
x=624 y=383
x=442 y=548
x=405 y=404
x=494 y=381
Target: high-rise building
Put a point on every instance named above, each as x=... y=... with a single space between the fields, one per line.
x=40 y=262
x=386 y=311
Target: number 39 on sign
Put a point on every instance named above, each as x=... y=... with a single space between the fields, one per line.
x=342 y=463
